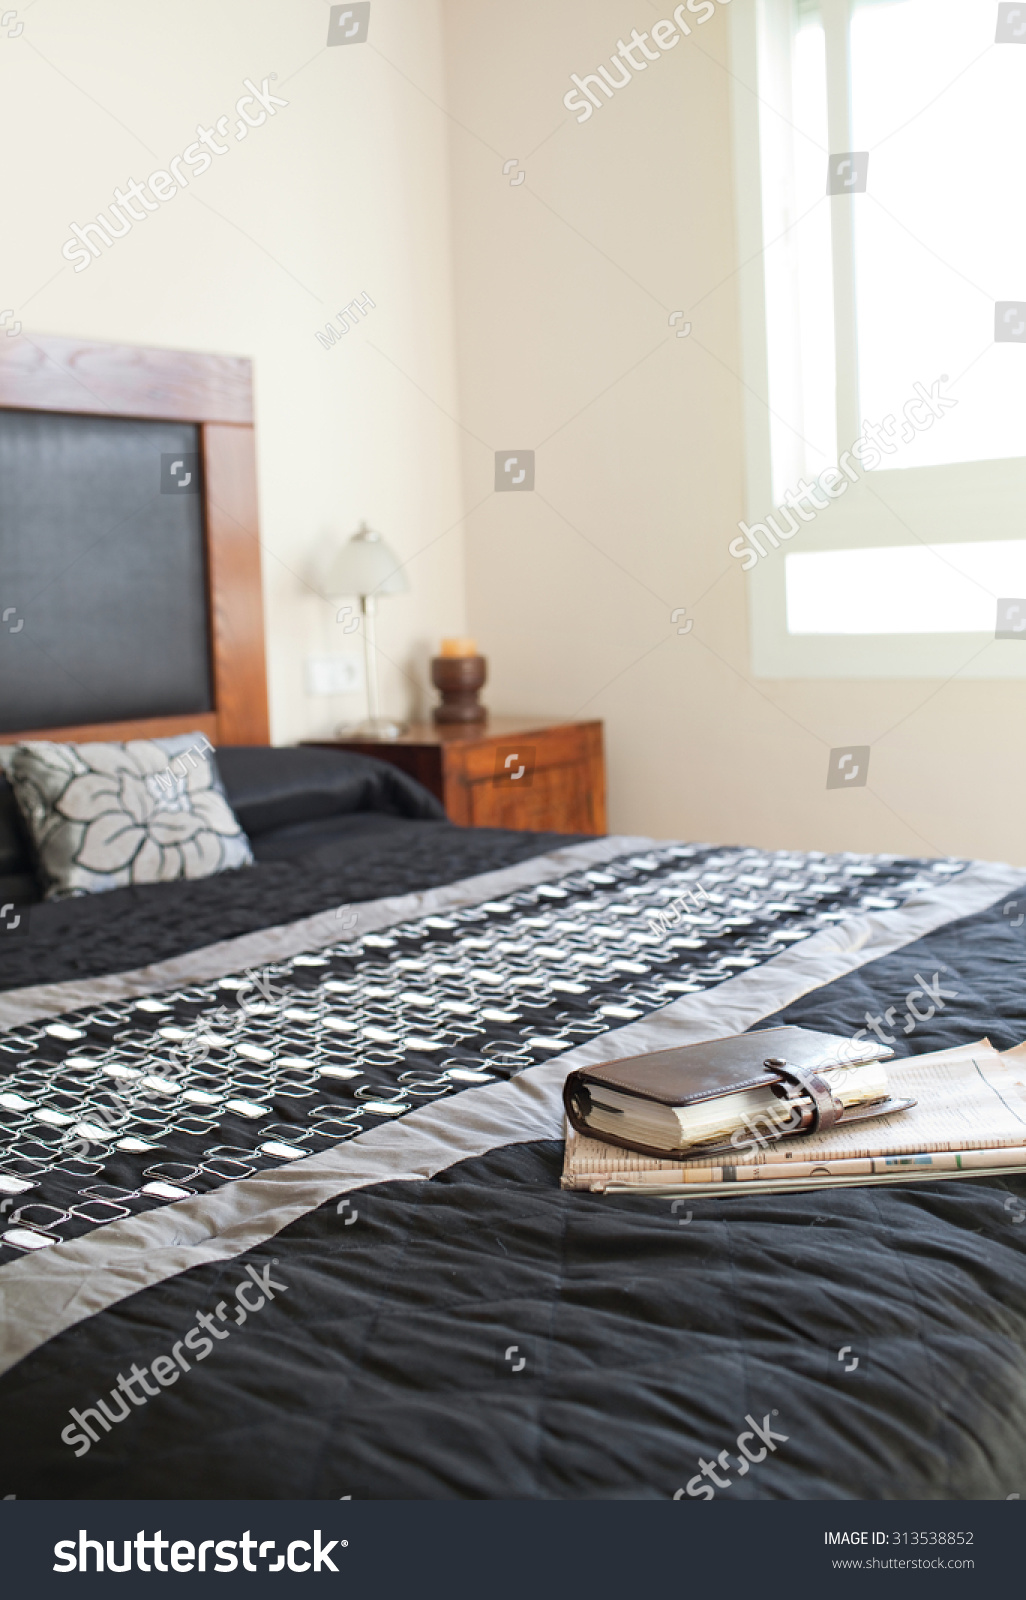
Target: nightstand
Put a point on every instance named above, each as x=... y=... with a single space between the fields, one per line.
x=503 y=773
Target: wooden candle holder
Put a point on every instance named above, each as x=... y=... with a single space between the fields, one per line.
x=460 y=679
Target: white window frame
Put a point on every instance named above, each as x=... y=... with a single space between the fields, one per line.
x=933 y=505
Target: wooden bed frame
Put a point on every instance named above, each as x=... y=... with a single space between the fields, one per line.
x=40 y=372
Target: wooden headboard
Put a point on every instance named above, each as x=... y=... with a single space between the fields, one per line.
x=42 y=373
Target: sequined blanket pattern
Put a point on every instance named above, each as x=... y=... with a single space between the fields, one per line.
x=111 y=1111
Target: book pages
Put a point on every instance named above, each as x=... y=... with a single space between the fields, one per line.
x=970 y=1115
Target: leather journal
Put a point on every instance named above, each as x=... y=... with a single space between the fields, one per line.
x=731 y=1094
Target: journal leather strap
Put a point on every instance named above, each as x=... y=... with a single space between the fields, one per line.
x=826 y=1111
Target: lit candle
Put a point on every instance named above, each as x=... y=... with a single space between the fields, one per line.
x=459 y=647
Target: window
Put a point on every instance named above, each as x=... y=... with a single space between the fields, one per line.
x=884 y=325
x=903 y=588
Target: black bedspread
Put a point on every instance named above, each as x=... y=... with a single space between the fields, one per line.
x=484 y=1333
x=648 y=1335
x=328 y=828
x=366 y=856
x=379 y=1371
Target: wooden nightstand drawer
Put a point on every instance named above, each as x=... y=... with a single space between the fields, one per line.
x=556 y=798
x=544 y=777
x=548 y=778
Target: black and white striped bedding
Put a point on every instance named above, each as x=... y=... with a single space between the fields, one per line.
x=327 y=1150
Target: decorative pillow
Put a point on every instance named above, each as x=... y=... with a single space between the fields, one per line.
x=105 y=815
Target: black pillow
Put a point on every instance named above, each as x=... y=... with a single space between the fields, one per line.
x=15 y=853
x=17 y=874
x=270 y=788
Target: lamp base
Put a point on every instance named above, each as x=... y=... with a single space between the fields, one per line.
x=372 y=728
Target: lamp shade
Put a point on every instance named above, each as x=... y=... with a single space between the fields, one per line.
x=365 y=565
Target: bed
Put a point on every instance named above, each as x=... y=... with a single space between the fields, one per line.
x=280 y=1148
x=356 y=1221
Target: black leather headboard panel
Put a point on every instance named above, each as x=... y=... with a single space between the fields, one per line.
x=103 y=591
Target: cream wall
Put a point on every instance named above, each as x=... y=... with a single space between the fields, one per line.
x=564 y=286
x=508 y=315
x=343 y=191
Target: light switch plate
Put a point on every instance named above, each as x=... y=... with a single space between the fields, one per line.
x=336 y=674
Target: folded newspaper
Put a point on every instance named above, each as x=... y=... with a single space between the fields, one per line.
x=969 y=1121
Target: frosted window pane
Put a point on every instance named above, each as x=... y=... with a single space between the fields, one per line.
x=940 y=235
x=940 y=588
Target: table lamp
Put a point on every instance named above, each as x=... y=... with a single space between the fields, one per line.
x=366 y=567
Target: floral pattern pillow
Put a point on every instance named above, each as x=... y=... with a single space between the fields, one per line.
x=105 y=815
